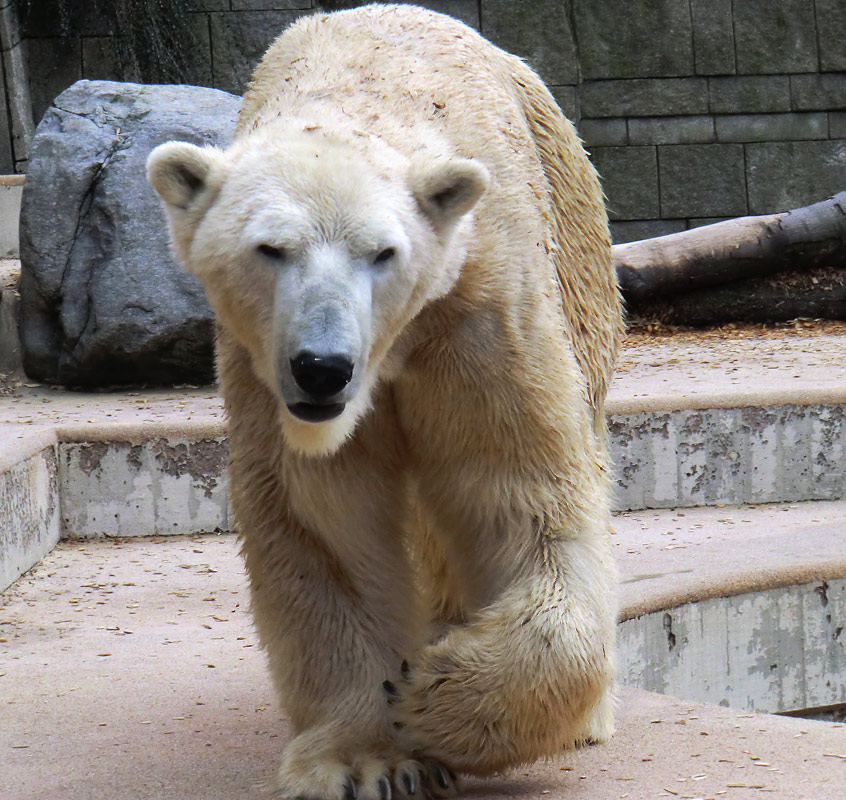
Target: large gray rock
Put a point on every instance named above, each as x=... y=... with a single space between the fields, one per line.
x=102 y=300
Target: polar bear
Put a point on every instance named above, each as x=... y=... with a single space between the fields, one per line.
x=407 y=253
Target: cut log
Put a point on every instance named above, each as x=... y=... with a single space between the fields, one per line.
x=734 y=250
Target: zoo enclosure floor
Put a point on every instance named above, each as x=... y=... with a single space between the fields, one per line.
x=130 y=669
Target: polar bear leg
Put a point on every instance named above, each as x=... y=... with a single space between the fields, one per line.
x=599 y=726
x=523 y=678
x=334 y=630
x=331 y=590
x=441 y=588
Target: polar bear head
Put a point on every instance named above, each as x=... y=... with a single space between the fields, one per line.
x=316 y=250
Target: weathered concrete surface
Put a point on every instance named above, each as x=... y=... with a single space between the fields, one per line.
x=155 y=487
x=742 y=606
x=11 y=187
x=145 y=652
x=130 y=479
x=11 y=365
x=116 y=464
x=777 y=650
x=149 y=658
x=747 y=366
x=731 y=418
x=729 y=455
x=94 y=416
x=29 y=499
x=679 y=556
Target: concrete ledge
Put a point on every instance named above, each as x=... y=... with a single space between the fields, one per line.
x=751 y=454
x=11 y=366
x=765 y=398
x=123 y=464
x=169 y=476
x=680 y=556
x=19 y=442
x=29 y=500
x=739 y=606
x=164 y=485
x=141 y=431
x=120 y=479
x=774 y=650
x=11 y=190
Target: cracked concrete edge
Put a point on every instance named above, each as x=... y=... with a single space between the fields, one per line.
x=674 y=401
x=140 y=432
x=771 y=650
x=163 y=486
x=652 y=472
x=29 y=500
x=728 y=456
x=89 y=481
x=716 y=585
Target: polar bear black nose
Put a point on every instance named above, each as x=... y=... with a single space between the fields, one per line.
x=321 y=377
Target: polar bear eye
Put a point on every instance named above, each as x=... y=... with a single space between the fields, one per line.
x=386 y=255
x=276 y=253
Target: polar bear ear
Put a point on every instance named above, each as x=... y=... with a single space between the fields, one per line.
x=446 y=189
x=179 y=171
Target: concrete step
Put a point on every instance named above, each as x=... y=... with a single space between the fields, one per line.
x=745 y=415
x=737 y=606
x=78 y=466
x=30 y=524
x=682 y=434
x=143 y=648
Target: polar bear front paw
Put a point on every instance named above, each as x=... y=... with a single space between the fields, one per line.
x=599 y=724
x=343 y=774
x=429 y=715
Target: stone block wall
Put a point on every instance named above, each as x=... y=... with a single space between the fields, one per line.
x=693 y=110
x=696 y=111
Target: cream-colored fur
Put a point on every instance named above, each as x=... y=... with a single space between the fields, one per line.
x=455 y=515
